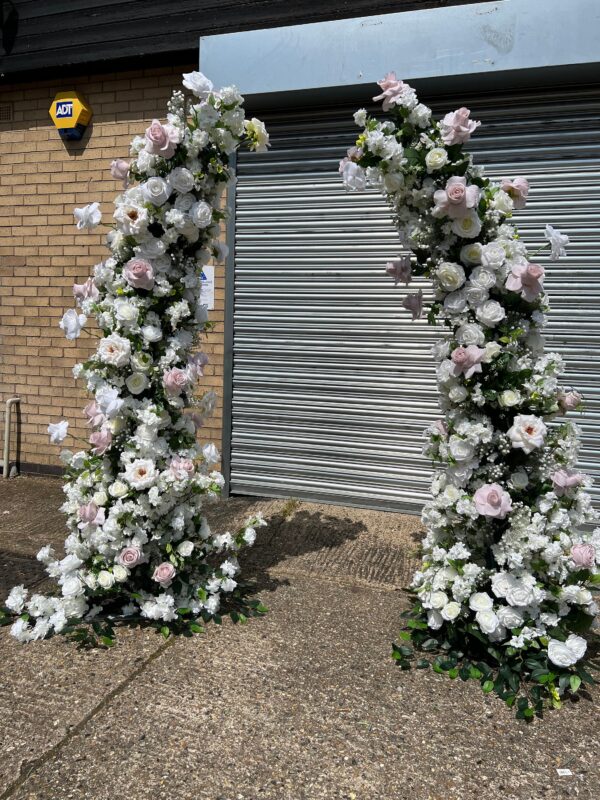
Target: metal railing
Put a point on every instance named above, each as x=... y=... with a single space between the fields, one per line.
x=5 y=463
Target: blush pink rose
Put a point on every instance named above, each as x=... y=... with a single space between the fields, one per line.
x=400 y=270
x=467 y=360
x=139 y=273
x=161 y=140
x=517 y=189
x=569 y=401
x=130 y=557
x=563 y=480
x=176 y=380
x=86 y=291
x=584 y=555
x=119 y=169
x=94 y=414
x=526 y=279
x=164 y=573
x=491 y=500
x=392 y=90
x=456 y=200
x=100 y=441
x=182 y=468
x=441 y=427
x=456 y=127
x=88 y=512
x=414 y=304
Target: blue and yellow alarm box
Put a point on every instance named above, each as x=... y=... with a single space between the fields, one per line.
x=70 y=114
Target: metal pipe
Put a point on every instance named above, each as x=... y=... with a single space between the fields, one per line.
x=12 y=401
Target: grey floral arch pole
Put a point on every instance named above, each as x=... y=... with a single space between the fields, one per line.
x=505 y=590
x=138 y=543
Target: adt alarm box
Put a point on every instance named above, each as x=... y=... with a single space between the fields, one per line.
x=70 y=114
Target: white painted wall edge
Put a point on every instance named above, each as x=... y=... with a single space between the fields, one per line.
x=460 y=40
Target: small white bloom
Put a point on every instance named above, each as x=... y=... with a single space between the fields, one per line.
x=185 y=548
x=72 y=323
x=197 y=83
x=557 y=241
x=58 y=431
x=88 y=217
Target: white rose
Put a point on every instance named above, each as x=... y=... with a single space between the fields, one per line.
x=434 y=619
x=476 y=295
x=201 y=214
x=156 y=191
x=100 y=498
x=151 y=333
x=137 y=382
x=510 y=617
x=491 y=351
x=470 y=333
x=450 y=611
x=451 y=276
x=185 y=548
x=120 y=572
x=518 y=594
x=114 y=350
x=116 y=425
x=125 y=311
x=438 y=600
x=392 y=182
x=90 y=580
x=141 y=473
x=564 y=654
x=583 y=597
x=141 y=361
x=458 y=394
x=455 y=302
x=493 y=255
x=460 y=449
x=118 y=489
x=72 y=586
x=467 y=227
x=481 y=601
x=487 y=621
x=509 y=398
x=502 y=202
x=436 y=159
x=197 y=83
x=482 y=277
x=181 y=180
x=527 y=432
x=490 y=313
x=106 y=579
x=470 y=254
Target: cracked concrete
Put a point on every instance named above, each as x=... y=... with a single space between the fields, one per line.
x=302 y=704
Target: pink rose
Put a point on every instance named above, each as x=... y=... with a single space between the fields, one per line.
x=492 y=501
x=467 y=360
x=526 y=279
x=456 y=127
x=441 y=427
x=456 y=200
x=119 y=169
x=94 y=414
x=88 y=513
x=400 y=270
x=353 y=154
x=392 y=90
x=175 y=380
x=164 y=573
x=563 y=480
x=414 y=304
x=161 y=140
x=196 y=363
x=569 y=401
x=139 y=273
x=130 y=557
x=182 y=468
x=584 y=555
x=517 y=189
x=86 y=291
x=101 y=441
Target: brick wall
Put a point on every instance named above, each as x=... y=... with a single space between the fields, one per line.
x=42 y=253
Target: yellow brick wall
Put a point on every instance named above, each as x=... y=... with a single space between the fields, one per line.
x=42 y=253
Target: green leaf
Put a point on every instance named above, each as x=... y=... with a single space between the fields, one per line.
x=107 y=641
x=405 y=636
x=195 y=628
x=165 y=630
x=575 y=682
x=430 y=644
x=487 y=686
x=453 y=673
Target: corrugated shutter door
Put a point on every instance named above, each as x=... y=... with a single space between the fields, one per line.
x=332 y=383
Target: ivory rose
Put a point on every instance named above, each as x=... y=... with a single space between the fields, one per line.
x=527 y=432
x=491 y=500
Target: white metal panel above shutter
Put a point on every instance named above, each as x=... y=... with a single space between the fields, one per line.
x=332 y=384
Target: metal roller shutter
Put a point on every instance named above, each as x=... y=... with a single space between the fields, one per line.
x=332 y=385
